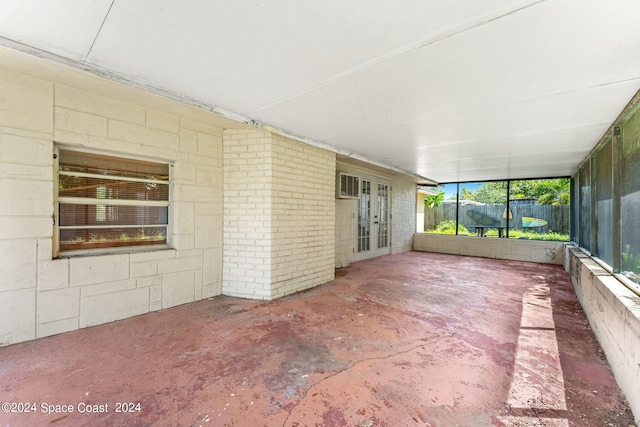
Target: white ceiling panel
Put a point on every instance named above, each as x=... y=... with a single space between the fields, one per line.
x=521 y=156
x=63 y=27
x=539 y=116
x=468 y=160
x=447 y=90
x=488 y=66
x=248 y=55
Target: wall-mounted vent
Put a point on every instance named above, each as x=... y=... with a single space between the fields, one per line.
x=348 y=186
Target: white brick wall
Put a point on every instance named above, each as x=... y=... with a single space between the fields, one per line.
x=303 y=216
x=41 y=296
x=247 y=214
x=279 y=215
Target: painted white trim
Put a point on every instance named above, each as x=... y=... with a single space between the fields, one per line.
x=113 y=178
x=111 y=202
x=106 y=227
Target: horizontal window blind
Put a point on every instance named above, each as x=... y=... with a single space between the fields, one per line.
x=106 y=201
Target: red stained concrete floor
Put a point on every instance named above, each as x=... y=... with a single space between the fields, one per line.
x=414 y=339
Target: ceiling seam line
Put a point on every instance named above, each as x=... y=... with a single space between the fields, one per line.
x=95 y=39
x=401 y=52
x=586 y=126
x=471 y=110
x=630 y=79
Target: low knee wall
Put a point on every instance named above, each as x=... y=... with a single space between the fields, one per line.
x=613 y=311
x=548 y=252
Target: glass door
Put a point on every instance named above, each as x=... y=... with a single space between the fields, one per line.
x=381 y=219
x=364 y=217
x=374 y=227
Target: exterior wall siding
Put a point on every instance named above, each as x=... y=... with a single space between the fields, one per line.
x=41 y=296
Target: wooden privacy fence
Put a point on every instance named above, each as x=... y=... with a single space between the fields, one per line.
x=557 y=216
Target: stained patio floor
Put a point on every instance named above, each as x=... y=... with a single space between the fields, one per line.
x=414 y=339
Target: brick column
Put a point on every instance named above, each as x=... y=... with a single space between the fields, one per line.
x=279 y=215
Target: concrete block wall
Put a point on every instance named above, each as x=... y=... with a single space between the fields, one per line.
x=518 y=250
x=26 y=128
x=41 y=296
x=613 y=311
x=279 y=215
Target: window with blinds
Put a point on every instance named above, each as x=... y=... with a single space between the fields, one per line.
x=110 y=202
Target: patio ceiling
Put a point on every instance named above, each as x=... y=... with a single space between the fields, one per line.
x=465 y=90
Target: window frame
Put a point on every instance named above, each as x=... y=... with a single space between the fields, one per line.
x=508 y=226
x=58 y=253
x=615 y=137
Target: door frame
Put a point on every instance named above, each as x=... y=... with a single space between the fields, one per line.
x=373 y=220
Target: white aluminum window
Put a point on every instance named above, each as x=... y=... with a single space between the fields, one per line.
x=110 y=204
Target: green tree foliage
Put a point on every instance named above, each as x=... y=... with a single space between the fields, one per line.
x=546 y=191
x=489 y=193
x=433 y=201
